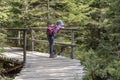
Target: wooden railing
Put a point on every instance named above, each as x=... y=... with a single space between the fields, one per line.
x=24 y=30
x=33 y=40
x=72 y=43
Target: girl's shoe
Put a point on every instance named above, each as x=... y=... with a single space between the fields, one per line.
x=52 y=56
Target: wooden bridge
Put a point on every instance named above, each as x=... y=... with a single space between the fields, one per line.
x=38 y=66
x=33 y=40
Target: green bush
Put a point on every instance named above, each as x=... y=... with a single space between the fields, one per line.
x=101 y=64
x=5 y=78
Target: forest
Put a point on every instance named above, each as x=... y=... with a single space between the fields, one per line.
x=97 y=40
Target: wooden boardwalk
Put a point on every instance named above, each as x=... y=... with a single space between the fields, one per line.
x=39 y=67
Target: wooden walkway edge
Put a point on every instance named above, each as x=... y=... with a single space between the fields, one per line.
x=39 y=66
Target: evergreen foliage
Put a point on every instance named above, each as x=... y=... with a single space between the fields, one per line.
x=99 y=29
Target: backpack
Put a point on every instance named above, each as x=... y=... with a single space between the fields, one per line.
x=50 y=29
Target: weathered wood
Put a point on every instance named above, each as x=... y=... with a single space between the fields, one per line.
x=44 y=28
x=24 y=39
x=39 y=66
x=13 y=38
x=7 y=59
x=18 y=29
x=25 y=44
x=41 y=28
x=55 y=43
x=54 y=69
x=10 y=69
x=73 y=43
x=19 y=38
x=32 y=42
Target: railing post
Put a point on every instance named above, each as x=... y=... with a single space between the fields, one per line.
x=73 y=43
x=32 y=34
x=24 y=45
x=18 y=38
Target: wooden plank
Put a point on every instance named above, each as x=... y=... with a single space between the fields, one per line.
x=55 y=43
x=19 y=29
x=48 y=78
x=11 y=69
x=15 y=38
x=39 y=66
x=43 y=28
x=8 y=59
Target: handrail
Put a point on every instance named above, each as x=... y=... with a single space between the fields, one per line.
x=24 y=39
x=43 y=28
x=55 y=43
x=20 y=29
x=72 y=43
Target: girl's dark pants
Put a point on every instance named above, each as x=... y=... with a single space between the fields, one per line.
x=51 y=41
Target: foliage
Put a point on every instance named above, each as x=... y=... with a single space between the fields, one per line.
x=100 y=64
x=103 y=36
x=5 y=78
x=2 y=37
x=97 y=38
